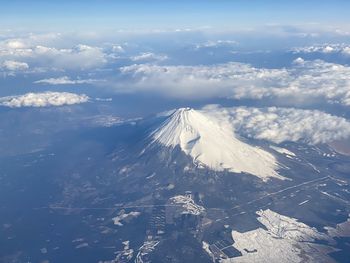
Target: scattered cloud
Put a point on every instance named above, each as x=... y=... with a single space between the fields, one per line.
x=148 y=56
x=65 y=80
x=217 y=43
x=304 y=82
x=343 y=49
x=104 y=99
x=117 y=48
x=29 y=40
x=43 y=99
x=14 y=44
x=106 y=120
x=283 y=124
x=77 y=57
x=12 y=65
x=299 y=61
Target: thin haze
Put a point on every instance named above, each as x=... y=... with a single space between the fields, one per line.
x=155 y=14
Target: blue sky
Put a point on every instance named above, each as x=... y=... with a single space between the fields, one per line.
x=156 y=14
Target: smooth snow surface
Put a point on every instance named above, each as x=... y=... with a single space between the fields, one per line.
x=213 y=144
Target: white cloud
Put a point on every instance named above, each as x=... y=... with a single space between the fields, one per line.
x=282 y=124
x=77 y=57
x=43 y=99
x=299 y=61
x=188 y=81
x=65 y=80
x=346 y=51
x=30 y=39
x=217 y=43
x=12 y=65
x=324 y=48
x=303 y=82
x=117 y=48
x=148 y=56
x=15 y=44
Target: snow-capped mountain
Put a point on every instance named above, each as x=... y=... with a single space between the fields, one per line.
x=213 y=145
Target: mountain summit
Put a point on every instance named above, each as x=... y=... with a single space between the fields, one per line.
x=213 y=145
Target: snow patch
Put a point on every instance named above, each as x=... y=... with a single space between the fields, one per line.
x=187 y=204
x=283 y=151
x=124 y=255
x=147 y=247
x=124 y=216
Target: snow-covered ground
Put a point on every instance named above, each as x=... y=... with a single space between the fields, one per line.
x=205 y=246
x=284 y=240
x=283 y=151
x=124 y=216
x=124 y=255
x=187 y=204
x=147 y=247
x=213 y=144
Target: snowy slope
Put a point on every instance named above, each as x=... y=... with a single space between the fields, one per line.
x=213 y=145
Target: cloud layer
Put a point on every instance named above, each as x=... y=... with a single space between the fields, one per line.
x=43 y=99
x=174 y=72
x=303 y=82
x=283 y=124
x=31 y=51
